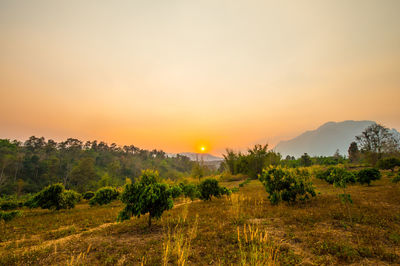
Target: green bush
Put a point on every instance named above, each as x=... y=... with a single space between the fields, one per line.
x=71 y=198
x=365 y=176
x=209 y=188
x=334 y=173
x=289 y=185
x=8 y=216
x=176 y=191
x=396 y=179
x=9 y=205
x=54 y=197
x=146 y=196
x=245 y=182
x=88 y=195
x=104 y=196
x=388 y=163
x=190 y=191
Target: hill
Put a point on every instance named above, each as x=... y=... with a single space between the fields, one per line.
x=325 y=140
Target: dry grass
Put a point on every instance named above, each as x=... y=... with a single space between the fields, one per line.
x=241 y=229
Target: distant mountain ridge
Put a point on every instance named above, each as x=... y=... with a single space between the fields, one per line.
x=326 y=139
x=205 y=157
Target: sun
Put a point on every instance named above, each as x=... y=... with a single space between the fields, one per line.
x=202 y=148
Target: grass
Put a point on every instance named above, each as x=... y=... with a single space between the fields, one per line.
x=241 y=229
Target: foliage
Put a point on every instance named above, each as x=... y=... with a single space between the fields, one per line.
x=104 y=196
x=396 y=179
x=190 y=191
x=88 y=195
x=30 y=166
x=365 y=176
x=305 y=160
x=388 y=163
x=376 y=140
x=10 y=205
x=210 y=187
x=146 y=196
x=245 y=182
x=54 y=197
x=251 y=163
x=8 y=216
x=289 y=185
x=71 y=198
x=354 y=153
x=176 y=191
x=334 y=174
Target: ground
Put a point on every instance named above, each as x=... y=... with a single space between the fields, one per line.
x=243 y=228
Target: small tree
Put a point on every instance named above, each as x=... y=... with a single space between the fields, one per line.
x=305 y=160
x=176 y=191
x=289 y=185
x=388 y=163
x=341 y=177
x=354 y=153
x=396 y=179
x=146 y=196
x=104 y=196
x=365 y=176
x=190 y=191
x=209 y=188
x=54 y=197
x=88 y=195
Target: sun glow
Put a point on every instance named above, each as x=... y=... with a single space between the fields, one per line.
x=202 y=148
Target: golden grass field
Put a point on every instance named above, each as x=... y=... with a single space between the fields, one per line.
x=242 y=229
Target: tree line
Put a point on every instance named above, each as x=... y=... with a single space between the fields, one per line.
x=27 y=167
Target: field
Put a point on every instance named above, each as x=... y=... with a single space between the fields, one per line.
x=243 y=228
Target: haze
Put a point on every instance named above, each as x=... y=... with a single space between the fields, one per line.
x=178 y=75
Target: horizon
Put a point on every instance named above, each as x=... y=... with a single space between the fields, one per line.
x=183 y=75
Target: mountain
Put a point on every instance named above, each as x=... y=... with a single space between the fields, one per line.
x=325 y=140
x=205 y=157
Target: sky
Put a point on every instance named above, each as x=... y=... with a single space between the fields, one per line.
x=180 y=74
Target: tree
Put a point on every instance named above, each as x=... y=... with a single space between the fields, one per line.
x=104 y=196
x=289 y=185
x=257 y=158
x=388 y=163
x=209 y=188
x=376 y=140
x=146 y=196
x=305 y=160
x=341 y=178
x=354 y=153
x=83 y=174
x=365 y=176
x=54 y=197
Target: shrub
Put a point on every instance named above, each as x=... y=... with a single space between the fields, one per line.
x=176 y=191
x=388 y=163
x=54 y=197
x=9 y=205
x=289 y=185
x=8 y=216
x=88 y=195
x=334 y=173
x=365 y=176
x=71 y=198
x=146 y=196
x=104 y=196
x=190 y=191
x=209 y=188
x=396 y=179
x=245 y=182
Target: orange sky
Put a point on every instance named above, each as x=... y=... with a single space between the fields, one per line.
x=175 y=75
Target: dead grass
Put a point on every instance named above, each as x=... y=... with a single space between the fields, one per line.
x=199 y=233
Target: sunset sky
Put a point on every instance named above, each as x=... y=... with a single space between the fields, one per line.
x=178 y=75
